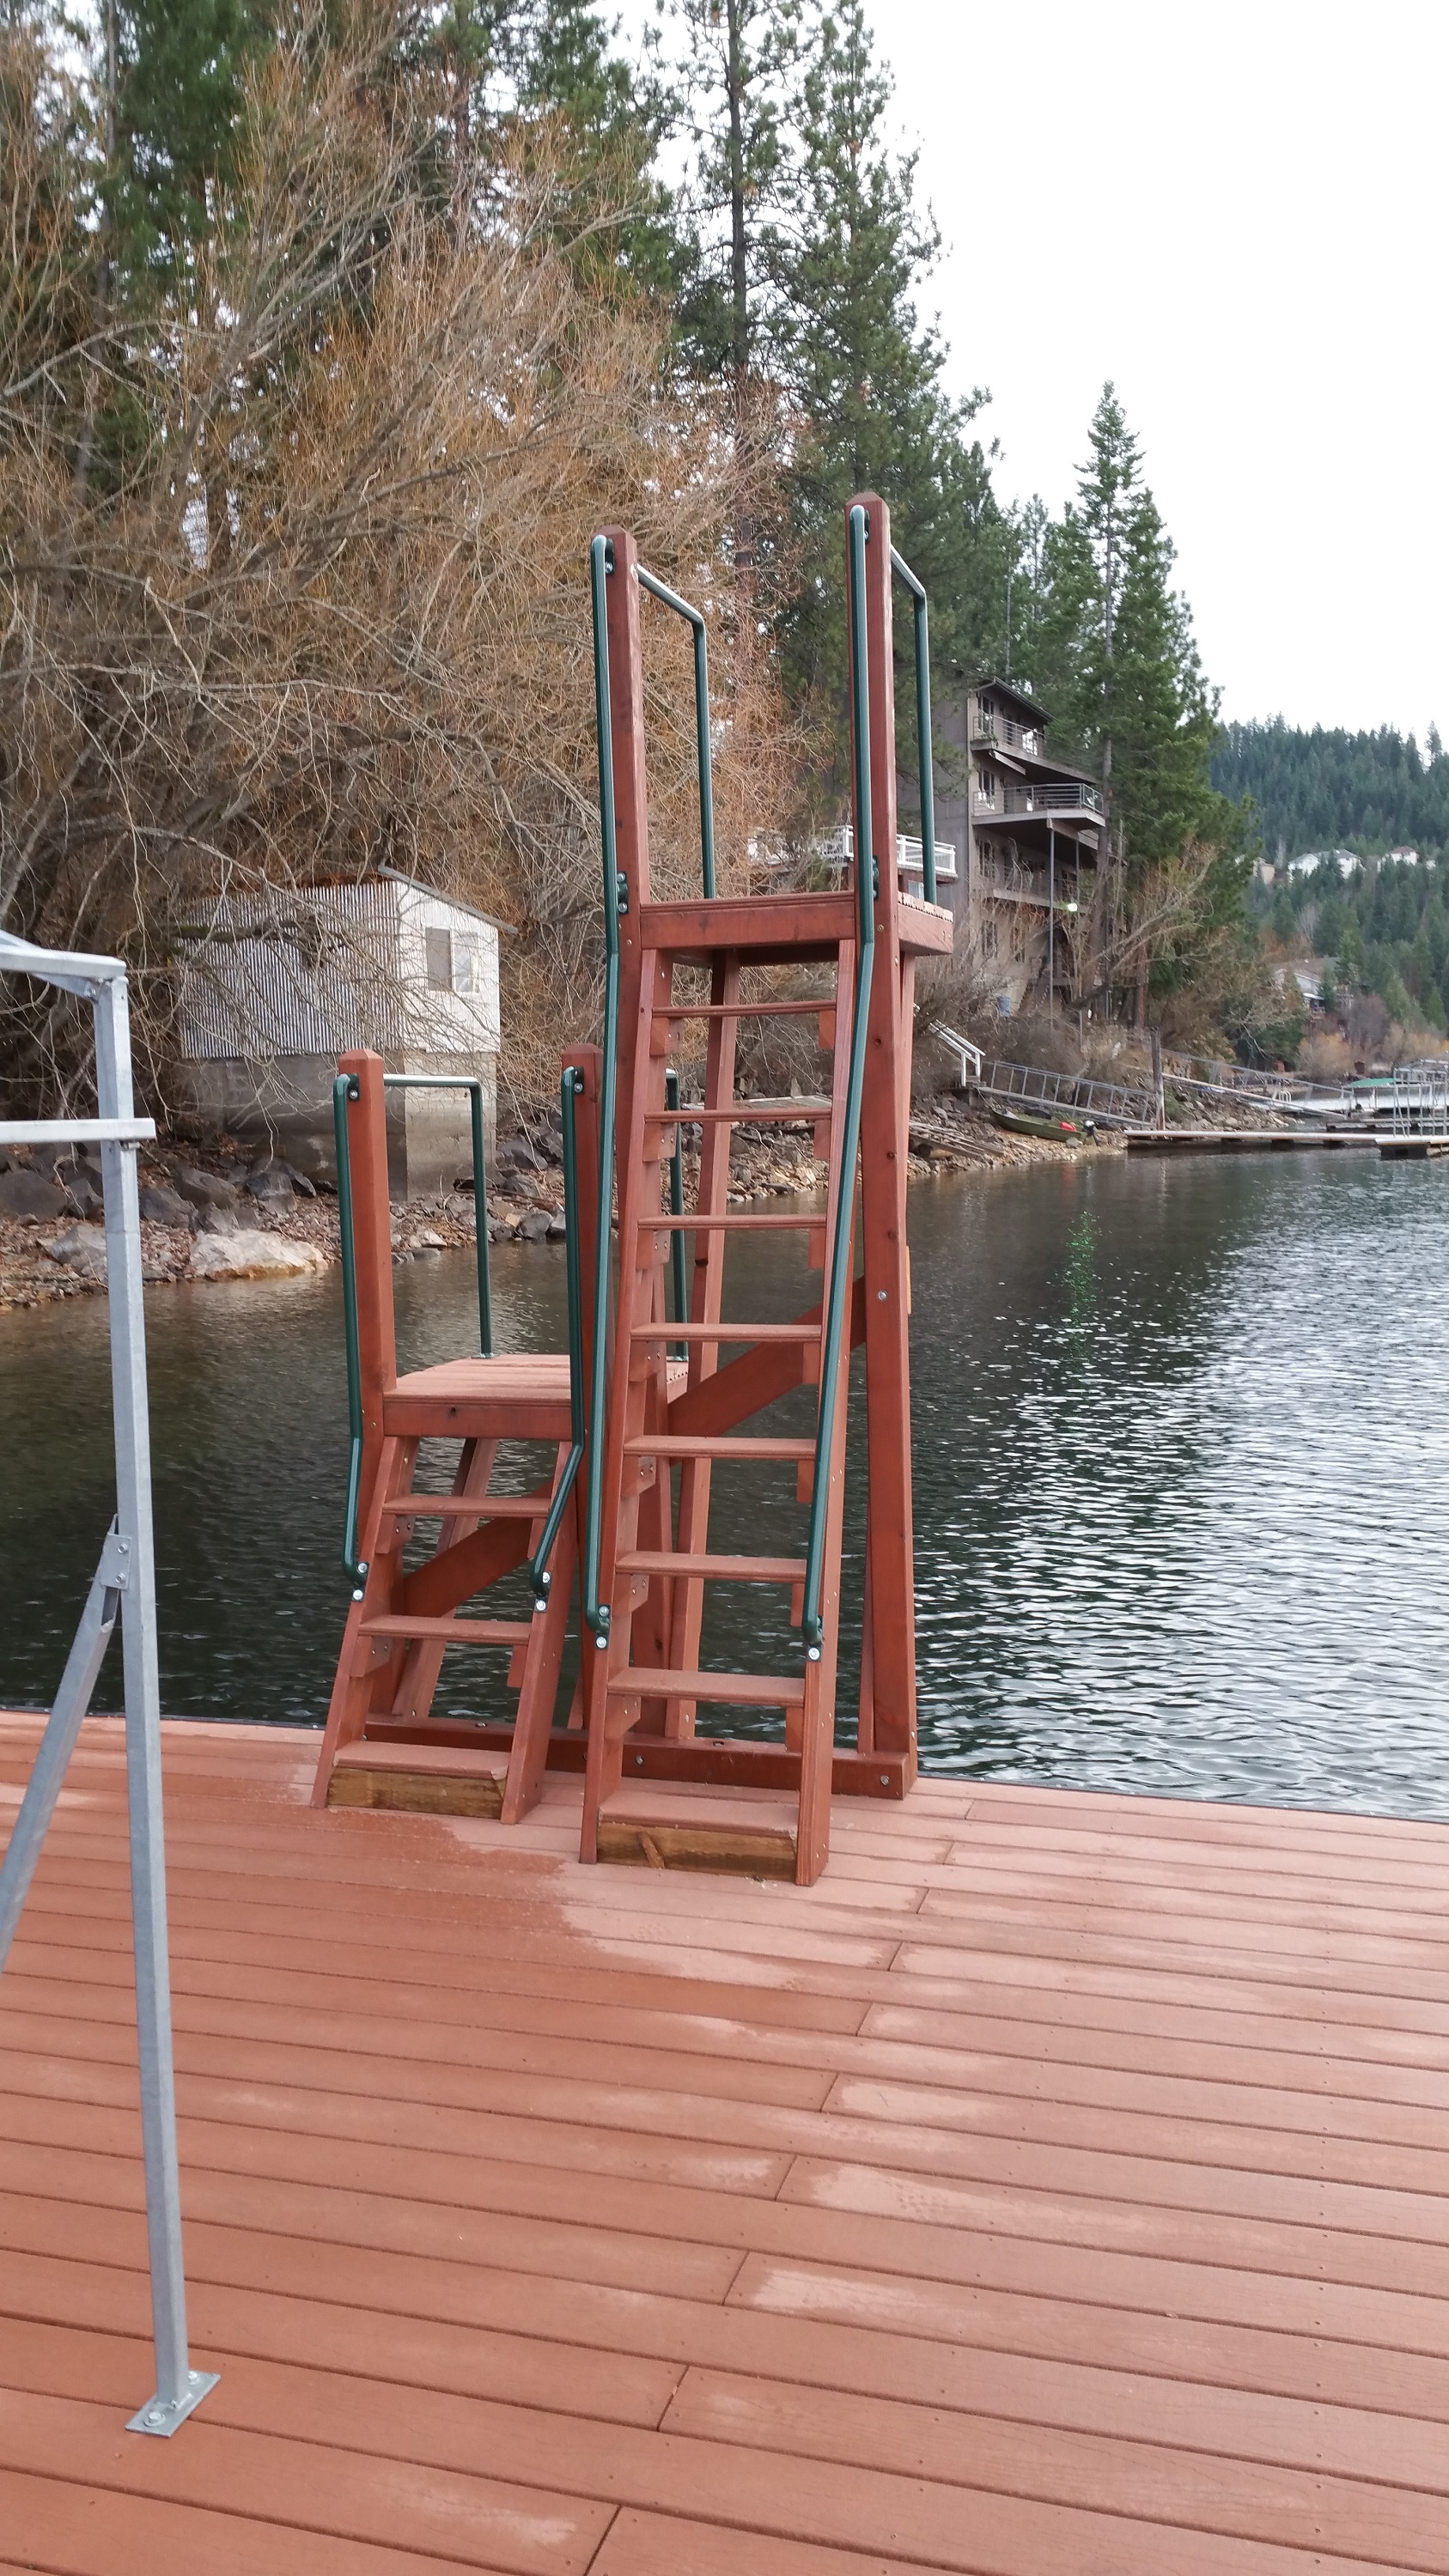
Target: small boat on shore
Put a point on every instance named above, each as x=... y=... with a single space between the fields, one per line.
x=1026 y=1122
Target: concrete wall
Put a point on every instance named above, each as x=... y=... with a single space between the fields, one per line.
x=287 y=1104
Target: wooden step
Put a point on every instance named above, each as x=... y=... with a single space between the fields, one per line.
x=717 y=1569
x=453 y=1632
x=724 y=1330
x=730 y=1690
x=720 y=1444
x=731 y=1221
x=745 y=1010
x=470 y=1507
x=418 y=1779
x=733 y=1851
x=788 y=929
x=741 y=1113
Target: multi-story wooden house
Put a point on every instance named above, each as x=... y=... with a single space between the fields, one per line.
x=1027 y=830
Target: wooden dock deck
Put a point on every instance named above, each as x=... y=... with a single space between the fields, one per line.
x=1056 y=2189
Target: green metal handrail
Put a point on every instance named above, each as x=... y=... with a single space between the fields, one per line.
x=676 y=1208
x=616 y=897
x=472 y=1085
x=660 y=590
x=569 y=1089
x=867 y=879
x=346 y=1089
x=903 y=572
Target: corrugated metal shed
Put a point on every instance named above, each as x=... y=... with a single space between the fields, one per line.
x=311 y=970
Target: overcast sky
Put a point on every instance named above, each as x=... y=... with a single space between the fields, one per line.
x=1238 y=214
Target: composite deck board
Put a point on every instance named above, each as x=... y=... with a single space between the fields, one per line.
x=1057 y=2185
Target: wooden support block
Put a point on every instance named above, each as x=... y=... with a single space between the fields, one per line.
x=733 y=1850
x=417 y=1793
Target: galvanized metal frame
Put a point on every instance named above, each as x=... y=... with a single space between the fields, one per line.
x=124 y=1585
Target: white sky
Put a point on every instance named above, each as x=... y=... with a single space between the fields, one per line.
x=1238 y=214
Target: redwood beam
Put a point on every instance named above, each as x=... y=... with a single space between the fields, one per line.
x=883 y=1148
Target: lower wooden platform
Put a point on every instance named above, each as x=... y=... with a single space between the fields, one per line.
x=1058 y=2188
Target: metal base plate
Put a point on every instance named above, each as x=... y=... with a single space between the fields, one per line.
x=163 y=2414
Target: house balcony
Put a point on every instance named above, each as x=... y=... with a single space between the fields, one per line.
x=837 y=849
x=1031 y=886
x=1007 y=734
x=1068 y=796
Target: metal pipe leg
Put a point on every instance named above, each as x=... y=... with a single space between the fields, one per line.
x=73 y=1698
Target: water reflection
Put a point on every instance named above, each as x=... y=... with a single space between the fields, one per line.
x=1179 y=1449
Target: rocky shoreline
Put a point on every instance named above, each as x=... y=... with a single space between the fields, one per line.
x=211 y=1212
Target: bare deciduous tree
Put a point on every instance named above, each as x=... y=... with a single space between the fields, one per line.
x=319 y=602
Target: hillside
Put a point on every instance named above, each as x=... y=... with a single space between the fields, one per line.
x=1333 y=790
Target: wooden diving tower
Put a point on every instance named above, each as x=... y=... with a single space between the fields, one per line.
x=656 y=1791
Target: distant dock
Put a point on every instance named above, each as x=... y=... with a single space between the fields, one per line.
x=1263 y=1140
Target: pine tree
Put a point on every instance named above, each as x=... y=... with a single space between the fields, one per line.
x=611 y=114
x=863 y=374
x=739 y=74
x=1113 y=653
x=177 y=93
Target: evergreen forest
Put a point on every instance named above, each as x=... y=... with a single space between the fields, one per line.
x=1327 y=790
x=331 y=331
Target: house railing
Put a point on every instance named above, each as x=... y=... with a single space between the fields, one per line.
x=837 y=849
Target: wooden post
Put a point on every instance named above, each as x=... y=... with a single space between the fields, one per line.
x=884 y=1140
x=372 y=1252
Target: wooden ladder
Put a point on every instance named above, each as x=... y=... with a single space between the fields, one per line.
x=766 y=1808
x=382 y=1747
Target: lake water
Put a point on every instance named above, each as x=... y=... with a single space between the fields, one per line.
x=1181 y=1442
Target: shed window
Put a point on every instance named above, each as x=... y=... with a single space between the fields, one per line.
x=465 y=963
x=438 y=946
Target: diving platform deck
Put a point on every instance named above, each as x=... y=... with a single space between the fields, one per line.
x=1057 y=2187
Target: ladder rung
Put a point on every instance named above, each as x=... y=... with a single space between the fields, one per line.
x=745 y=1010
x=725 y=1332
x=469 y=1507
x=733 y=1223
x=680 y=1444
x=720 y=1569
x=742 y=1113
x=453 y=1632
x=737 y=1690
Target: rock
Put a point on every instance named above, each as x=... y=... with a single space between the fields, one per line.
x=271 y=1180
x=429 y=1243
x=83 y=1250
x=500 y=1231
x=84 y=1195
x=206 y=1189
x=27 y=1195
x=219 y=1220
x=557 y=1229
x=247 y=1253
x=535 y=1226
x=164 y=1207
